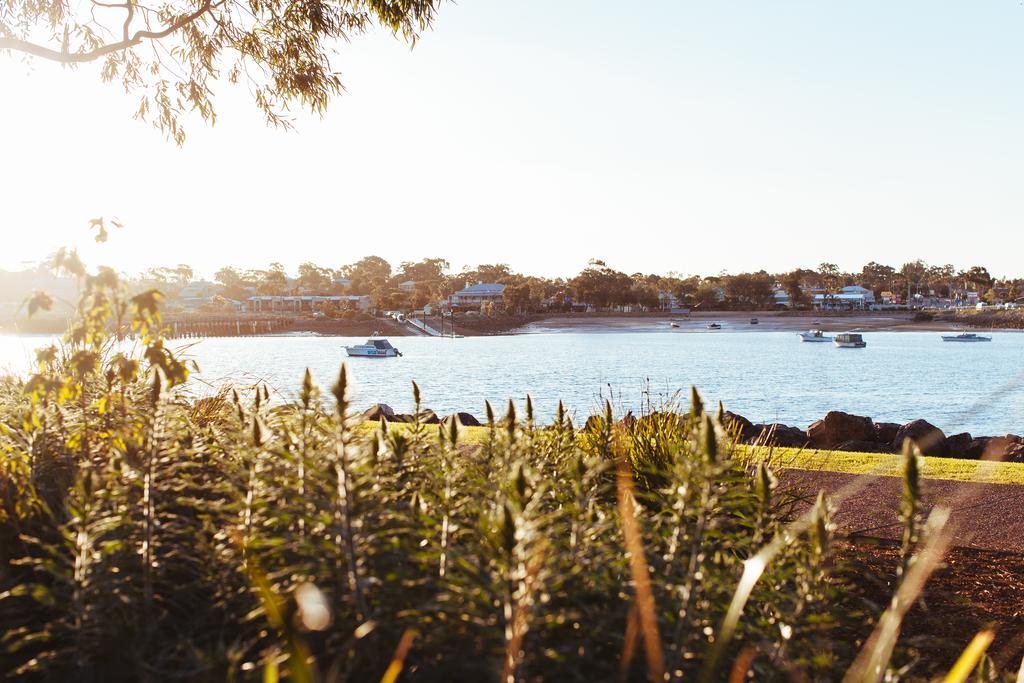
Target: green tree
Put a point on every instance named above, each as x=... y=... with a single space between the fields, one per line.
x=600 y=285
x=877 y=277
x=913 y=275
x=793 y=284
x=172 y=53
x=314 y=279
x=750 y=290
x=830 y=274
x=368 y=275
x=273 y=282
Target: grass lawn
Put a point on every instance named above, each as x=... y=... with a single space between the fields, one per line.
x=884 y=464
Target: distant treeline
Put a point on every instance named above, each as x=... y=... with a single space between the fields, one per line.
x=413 y=284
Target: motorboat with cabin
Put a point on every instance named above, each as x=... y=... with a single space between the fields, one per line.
x=714 y=326
x=373 y=348
x=754 y=321
x=849 y=340
x=814 y=336
x=673 y=324
x=965 y=337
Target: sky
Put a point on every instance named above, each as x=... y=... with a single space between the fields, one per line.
x=659 y=135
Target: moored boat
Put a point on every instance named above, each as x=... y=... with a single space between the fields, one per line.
x=814 y=336
x=965 y=337
x=373 y=348
x=714 y=326
x=754 y=321
x=673 y=324
x=849 y=340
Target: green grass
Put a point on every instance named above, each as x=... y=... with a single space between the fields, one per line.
x=883 y=464
x=888 y=465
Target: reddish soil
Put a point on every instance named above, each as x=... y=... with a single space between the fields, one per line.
x=981 y=582
x=985 y=516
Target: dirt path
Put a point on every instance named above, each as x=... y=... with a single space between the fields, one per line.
x=986 y=516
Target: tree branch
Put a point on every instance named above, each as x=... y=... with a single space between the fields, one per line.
x=127 y=42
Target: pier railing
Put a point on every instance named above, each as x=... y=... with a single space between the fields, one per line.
x=178 y=328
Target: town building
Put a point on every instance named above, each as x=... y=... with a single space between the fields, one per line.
x=305 y=303
x=850 y=298
x=480 y=293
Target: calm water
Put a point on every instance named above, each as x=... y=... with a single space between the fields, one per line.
x=766 y=376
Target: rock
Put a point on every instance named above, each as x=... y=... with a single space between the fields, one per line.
x=402 y=418
x=465 y=419
x=957 y=446
x=927 y=436
x=780 y=435
x=428 y=417
x=975 y=449
x=838 y=427
x=375 y=413
x=740 y=426
x=1007 y=448
x=885 y=433
x=855 y=446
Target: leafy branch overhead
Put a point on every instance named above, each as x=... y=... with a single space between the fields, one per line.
x=171 y=53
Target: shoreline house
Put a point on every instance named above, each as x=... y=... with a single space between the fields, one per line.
x=305 y=303
x=481 y=293
x=851 y=298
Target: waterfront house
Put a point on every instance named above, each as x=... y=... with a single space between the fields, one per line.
x=305 y=303
x=480 y=293
x=850 y=298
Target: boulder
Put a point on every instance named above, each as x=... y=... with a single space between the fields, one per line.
x=974 y=449
x=740 y=426
x=838 y=427
x=927 y=436
x=465 y=419
x=780 y=435
x=958 y=445
x=375 y=413
x=885 y=433
x=401 y=418
x=428 y=417
x=1009 y=448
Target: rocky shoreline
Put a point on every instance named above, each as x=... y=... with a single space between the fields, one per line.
x=837 y=431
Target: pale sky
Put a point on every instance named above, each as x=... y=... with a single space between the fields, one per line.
x=659 y=135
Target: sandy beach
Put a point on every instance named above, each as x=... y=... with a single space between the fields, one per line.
x=736 y=321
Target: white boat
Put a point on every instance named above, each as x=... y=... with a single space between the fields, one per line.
x=714 y=326
x=673 y=324
x=965 y=337
x=814 y=336
x=849 y=340
x=373 y=348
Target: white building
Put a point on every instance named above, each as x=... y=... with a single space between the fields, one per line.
x=851 y=298
x=480 y=293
